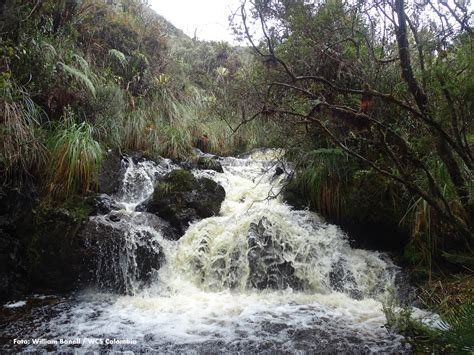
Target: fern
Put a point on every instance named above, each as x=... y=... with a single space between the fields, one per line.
x=48 y=48
x=119 y=56
x=459 y=258
x=82 y=63
x=458 y=329
x=142 y=57
x=80 y=77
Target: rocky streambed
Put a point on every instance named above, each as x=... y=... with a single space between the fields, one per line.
x=206 y=257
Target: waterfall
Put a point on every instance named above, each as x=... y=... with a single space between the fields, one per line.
x=135 y=246
x=258 y=241
x=259 y=277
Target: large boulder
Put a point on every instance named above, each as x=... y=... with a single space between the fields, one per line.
x=118 y=252
x=268 y=268
x=15 y=223
x=111 y=172
x=122 y=251
x=180 y=199
x=53 y=253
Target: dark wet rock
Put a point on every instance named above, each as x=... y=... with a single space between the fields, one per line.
x=63 y=253
x=184 y=164
x=293 y=196
x=11 y=268
x=16 y=206
x=180 y=199
x=16 y=218
x=405 y=291
x=114 y=218
x=39 y=251
x=210 y=163
x=342 y=280
x=137 y=157
x=111 y=173
x=121 y=259
x=268 y=269
x=104 y=204
x=278 y=171
x=54 y=253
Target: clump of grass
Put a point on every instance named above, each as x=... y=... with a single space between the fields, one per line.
x=134 y=131
x=22 y=152
x=106 y=111
x=428 y=244
x=81 y=73
x=75 y=158
x=175 y=139
x=162 y=189
x=323 y=180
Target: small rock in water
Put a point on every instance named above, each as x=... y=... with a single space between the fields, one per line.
x=104 y=204
x=184 y=164
x=207 y=163
x=114 y=218
x=342 y=280
x=268 y=269
x=278 y=171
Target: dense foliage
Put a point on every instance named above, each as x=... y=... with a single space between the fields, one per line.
x=380 y=97
x=80 y=77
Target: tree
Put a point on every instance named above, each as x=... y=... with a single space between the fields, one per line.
x=340 y=61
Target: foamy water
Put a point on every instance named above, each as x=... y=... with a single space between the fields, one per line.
x=320 y=294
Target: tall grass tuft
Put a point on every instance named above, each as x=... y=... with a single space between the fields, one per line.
x=175 y=139
x=140 y=133
x=106 y=112
x=22 y=152
x=427 y=241
x=323 y=181
x=75 y=158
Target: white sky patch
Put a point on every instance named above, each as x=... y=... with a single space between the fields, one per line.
x=207 y=18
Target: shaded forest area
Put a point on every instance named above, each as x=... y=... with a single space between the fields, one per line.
x=372 y=100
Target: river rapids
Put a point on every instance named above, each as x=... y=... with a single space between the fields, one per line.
x=260 y=277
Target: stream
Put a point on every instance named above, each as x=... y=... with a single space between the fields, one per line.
x=261 y=277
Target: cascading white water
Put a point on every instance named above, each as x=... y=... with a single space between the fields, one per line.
x=117 y=267
x=217 y=252
x=260 y=277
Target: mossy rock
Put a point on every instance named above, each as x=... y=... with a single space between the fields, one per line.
x=207 y=163
x=181 y=180
x=177 y=181
x=180 y=199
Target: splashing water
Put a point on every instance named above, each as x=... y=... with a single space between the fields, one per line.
x=260 y=277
